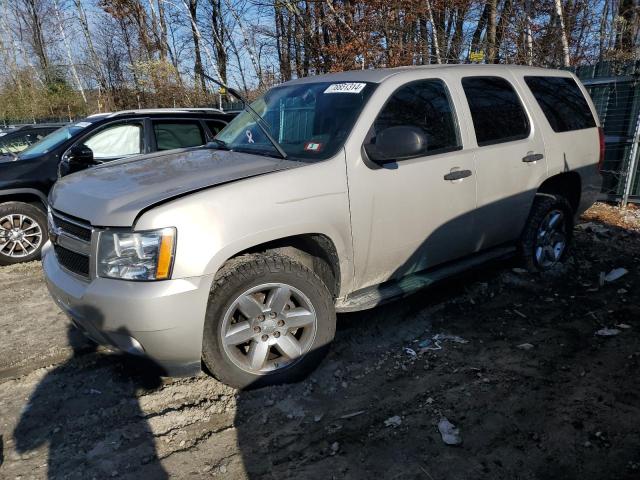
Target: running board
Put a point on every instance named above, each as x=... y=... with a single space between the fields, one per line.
x=378 y=294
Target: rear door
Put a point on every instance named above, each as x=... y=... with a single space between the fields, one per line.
x=509 y=158
x=571 y=134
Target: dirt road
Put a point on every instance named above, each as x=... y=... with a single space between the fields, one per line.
x=534 y=392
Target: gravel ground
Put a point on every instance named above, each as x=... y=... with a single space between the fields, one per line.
x=533 y=390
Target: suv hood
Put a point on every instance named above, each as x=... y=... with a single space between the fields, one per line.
x=113 y=194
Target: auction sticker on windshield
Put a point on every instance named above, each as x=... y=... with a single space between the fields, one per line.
x=345 y=88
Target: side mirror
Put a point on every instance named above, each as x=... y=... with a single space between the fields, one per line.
x=79 y=157
x=397 y=143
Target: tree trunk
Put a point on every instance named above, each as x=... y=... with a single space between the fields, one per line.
x=528 y=10
x=197 y=68
x=566 y=61
x=491 y=31
x=219 y=34
x=65 y=41
x=434 y=34
x=503 y=24
x=482 y=23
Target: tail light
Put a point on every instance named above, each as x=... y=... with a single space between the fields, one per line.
x=602 y=149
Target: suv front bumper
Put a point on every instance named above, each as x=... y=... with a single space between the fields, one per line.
x=162 y=320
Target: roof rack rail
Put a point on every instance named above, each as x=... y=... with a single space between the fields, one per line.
x=165 y=110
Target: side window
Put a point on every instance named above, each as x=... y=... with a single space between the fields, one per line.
x=496 y=111
x=562 y=102
x=116 y=141
x=176 y=134
x=424 y=104
x=215 y=126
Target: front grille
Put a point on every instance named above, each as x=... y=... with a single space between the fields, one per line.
x=74 y=229
x=72 y=261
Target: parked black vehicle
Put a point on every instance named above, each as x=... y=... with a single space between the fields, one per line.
x=15 y=140
x=26 y=178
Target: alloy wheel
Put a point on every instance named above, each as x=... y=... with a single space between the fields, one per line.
x=551 y=239
x=268 y=327
x=20 y=235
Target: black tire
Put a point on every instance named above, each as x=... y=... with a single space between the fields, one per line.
x=543 y=205
x=243 y=273
x=32 y=212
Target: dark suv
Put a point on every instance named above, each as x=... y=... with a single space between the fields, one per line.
x=16 y=139
x=27 y=177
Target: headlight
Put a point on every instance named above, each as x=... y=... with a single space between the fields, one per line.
x=136 y=256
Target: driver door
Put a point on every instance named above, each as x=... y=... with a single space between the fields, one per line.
x=412 y=214
x=110 y=142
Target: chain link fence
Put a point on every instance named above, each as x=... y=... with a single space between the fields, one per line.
x=615 y=90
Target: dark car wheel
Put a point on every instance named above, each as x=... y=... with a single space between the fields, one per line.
x=23 y=232
x=547 y=235
x=269 y=320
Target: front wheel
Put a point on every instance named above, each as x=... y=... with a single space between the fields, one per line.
x=269 y=320
x=547 y=235
x=23 y=231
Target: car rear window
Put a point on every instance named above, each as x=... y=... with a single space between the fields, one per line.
x=562 y=102
x=497 y=113
x=177 y=134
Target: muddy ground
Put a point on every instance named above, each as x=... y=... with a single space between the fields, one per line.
x=535 y=393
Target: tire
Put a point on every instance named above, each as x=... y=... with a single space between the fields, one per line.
x=245 y=294
x=545 y=245
x=23 y=232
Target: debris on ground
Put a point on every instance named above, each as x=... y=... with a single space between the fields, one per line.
x=615 y=274
x=353 y=414
x=607 y=332
x=449 y=433
x=335 y=446
x=409 y=351
x=525 y=346
x=435 y=342
x=394 y=421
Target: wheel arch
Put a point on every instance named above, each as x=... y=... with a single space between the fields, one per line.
x=27 y=195
x=567 y=184
x=316 y=251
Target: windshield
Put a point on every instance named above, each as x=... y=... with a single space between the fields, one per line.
x=310 y=121
x=54 y=139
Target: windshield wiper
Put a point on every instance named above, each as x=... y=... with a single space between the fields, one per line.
x=264 y=126
x=221 y=143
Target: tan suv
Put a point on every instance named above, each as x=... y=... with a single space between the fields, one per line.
x=330 y=194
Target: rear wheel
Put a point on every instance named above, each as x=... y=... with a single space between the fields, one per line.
x=548 y=233
x=269 y=320
x=23 y=231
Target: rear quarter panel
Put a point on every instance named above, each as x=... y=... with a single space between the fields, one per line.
x=576 y=150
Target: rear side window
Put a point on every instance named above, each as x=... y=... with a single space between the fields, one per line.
x=173 y=134
x=424 y=104
x=562 y=102
x=497 y=113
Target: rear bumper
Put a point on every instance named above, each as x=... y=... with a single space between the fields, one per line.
x=162 y=320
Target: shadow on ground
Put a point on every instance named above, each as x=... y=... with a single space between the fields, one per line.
x=64 y=404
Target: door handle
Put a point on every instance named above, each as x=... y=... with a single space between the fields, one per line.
x=457 y=175
x=532 y=157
